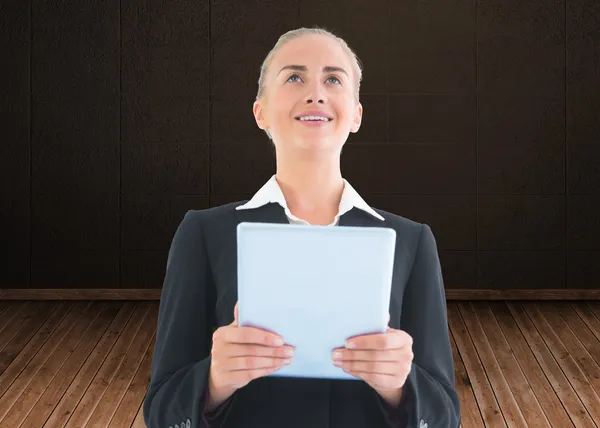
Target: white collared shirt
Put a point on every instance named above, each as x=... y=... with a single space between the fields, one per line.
x=271 y=192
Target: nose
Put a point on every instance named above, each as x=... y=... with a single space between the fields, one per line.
x=315 y=94
x=320 y=100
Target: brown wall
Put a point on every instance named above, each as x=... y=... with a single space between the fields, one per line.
x=481 y=119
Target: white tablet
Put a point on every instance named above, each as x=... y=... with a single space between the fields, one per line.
x=316 y=286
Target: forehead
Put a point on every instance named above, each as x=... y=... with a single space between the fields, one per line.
x=313 y=51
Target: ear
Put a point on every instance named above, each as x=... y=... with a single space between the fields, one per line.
x=358 y=111
x=259 y=114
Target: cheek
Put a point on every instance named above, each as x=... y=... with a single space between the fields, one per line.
x=345 y=108
x=284 y=96
x=283 y=114
x=281 y=117
x=346 y=117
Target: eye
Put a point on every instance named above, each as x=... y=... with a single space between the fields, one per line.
x=293 y=75
x=333 y=77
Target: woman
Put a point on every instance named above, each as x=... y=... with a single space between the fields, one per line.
x=204 y=376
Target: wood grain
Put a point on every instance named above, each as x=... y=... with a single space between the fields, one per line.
x=453 y=293
x=87 y=363
x=470 y=414
x=490 y=409
x=532 y=369
x=508 y=404
x=567 y=365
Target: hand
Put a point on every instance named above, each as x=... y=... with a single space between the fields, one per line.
x=382 y=360
x=242 y=354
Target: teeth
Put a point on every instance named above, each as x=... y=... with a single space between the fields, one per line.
x=324 y=119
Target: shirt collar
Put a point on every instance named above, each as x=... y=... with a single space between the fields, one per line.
x=271 y=192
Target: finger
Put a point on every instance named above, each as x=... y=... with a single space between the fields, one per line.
x=249 y=335
x=375 y=367
x=250 y=350
x=392 y=339
x=372 y=355
x=243 y=377
x=254 y=363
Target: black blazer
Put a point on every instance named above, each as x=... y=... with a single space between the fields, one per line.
x=199 y=294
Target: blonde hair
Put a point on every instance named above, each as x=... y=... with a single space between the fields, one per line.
x=294 y=34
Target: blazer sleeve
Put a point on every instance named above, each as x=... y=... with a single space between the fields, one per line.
x=430 y=398
x=181 y=359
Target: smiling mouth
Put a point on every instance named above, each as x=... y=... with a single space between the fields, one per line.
x=324 y=120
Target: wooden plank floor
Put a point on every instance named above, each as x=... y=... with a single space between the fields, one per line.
x=87 y=363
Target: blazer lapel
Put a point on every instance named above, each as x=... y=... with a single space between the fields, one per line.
x=274 y=213
x=357 y=217
x=225 y=269
x=270 y=213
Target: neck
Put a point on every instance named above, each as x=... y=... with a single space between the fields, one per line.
x=311 y=187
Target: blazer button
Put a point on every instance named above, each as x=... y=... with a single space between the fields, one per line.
x=188 y=423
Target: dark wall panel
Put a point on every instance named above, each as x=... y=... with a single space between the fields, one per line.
x=240 y=168
x=584 y=222
x=480 y=119
x=583 y=74
x=364 y=26
x=583 y=143
x=165 y=56
x=143 y=268
x=75 y=144
x=432 y=47
x=433 y=118
x=15 y=48
x=521 y=144
x=410 y=168
x=517 y=269
x=175 y=168
x=522 y=168
x=68 y=268
x=521 y=222
x=164 y=73
x=454 y=217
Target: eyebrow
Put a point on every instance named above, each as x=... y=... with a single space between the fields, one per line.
x=327 y=69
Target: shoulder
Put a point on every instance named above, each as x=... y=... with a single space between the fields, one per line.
x=411 y=231
x=210 y=222
x=199 y=227
x=399 y=222
x=212 y=215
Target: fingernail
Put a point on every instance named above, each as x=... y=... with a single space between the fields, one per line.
x=337 y=355
x=278 y=341
x=350 y=345
x=289 y=352
x=286 y=362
